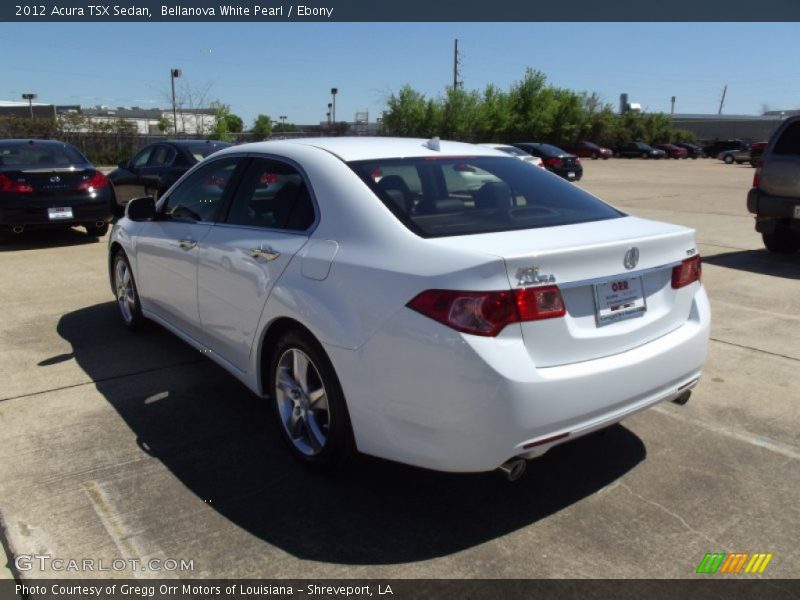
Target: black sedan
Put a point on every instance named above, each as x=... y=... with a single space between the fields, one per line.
x=46 y=183
x=555 y=159
x=694 y=150
x=157 y=166
x=638 y=150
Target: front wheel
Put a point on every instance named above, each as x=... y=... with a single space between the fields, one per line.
x=130 y=309
x=728 y=160
x=309 y=404
x=781 y=241
x=645 y=155
x=594 y=155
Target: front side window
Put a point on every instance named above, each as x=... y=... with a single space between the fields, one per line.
x=162 y=156
x=448 y=196
x=199 y=196
x=272 y=195
x=140 y=160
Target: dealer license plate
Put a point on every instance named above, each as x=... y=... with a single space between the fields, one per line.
x=56 y=214
x=571 y=174
x=619 y=299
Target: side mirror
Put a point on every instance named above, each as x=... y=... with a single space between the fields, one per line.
x=141 y=209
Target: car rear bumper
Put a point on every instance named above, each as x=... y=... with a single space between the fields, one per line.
x=441 y=400
x=35 y=212
x=769 y=209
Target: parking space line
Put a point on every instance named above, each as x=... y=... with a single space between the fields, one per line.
x=742 y=346
x=743 y=436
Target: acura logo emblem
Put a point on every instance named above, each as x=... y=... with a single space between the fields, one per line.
x=631 y=258
x=55 y=179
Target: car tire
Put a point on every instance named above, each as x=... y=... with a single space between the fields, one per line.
x=594 y=156
x=781 y=241
x=645 y=155
x=728 y=159
x=128 y=304
x=300 y=378
x=95 y=231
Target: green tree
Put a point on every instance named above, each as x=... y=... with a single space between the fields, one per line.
x=262 y=127
x=234 y=123
x=164 y=123
x=221 y=112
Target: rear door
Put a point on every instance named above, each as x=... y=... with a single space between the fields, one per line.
x=267 y=223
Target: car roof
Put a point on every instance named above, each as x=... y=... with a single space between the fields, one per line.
x=20 y=142
x=365 y=148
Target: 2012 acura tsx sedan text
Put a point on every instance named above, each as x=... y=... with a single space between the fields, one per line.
x=435 y=303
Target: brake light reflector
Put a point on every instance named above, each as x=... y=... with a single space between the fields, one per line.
x=687 y=272
x=487 y=313
x=11 y=186
x=553 y=161
x=95 y=182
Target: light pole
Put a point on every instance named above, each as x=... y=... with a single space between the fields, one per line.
x=30 y=98
x=334 y=91
x=174 y=73
x=329 y=114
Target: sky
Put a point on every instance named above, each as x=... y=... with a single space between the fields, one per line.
x=289 y=68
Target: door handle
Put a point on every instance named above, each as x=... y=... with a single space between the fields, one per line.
x=262 y=252
x=187 y=244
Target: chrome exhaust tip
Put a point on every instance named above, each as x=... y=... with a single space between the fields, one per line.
x=513 y=468
x=99 y=224
x=683 y=398
x=17 y=229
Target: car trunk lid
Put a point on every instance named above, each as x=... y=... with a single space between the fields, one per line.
x=610 y=308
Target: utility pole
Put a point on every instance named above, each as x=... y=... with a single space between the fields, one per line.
x=30 y=98
x=173 y=73
x=456 y=68
x=721 y=102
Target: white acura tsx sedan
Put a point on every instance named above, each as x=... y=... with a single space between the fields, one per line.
x=435 y=303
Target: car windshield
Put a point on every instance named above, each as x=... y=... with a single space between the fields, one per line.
x=32 y=155
x=201 y=151
x=449 y=196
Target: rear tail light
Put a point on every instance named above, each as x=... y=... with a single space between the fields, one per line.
x=96 y=182
x=687 y=272
x=553 y=161
x=11 y=186
x=577 y=161
x=757 y=175
x=268 y=178
x=487 y=313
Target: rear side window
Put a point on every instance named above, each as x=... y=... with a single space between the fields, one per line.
x=272 y=195
x=789 y=142
x=466 y=195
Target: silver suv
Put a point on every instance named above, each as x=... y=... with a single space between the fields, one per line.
x=775 y=196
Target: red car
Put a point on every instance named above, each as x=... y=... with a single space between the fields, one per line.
x=756 y=150
x=672 y=150
x=589 y=150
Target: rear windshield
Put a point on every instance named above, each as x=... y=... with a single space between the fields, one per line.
x=451 y=196
x=26 y=155
x=549 y=150
x=201 y=151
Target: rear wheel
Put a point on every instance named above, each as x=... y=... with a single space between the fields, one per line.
x=728 y=159
x=782 y=241
x=594 y=155
x=309 y=404
x=645 y=155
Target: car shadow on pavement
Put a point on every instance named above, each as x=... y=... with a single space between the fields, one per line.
x=219 y=441
x=758 y=261
x=45 y=238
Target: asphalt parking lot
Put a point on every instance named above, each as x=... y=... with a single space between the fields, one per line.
x=135 y=447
